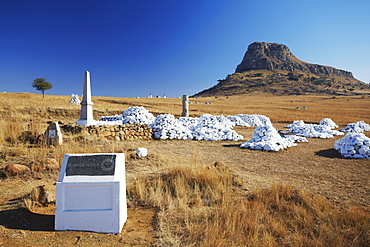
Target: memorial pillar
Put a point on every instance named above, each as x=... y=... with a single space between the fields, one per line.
x=185 y=106
x=86 y=115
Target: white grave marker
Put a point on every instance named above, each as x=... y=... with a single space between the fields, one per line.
x=91 y=193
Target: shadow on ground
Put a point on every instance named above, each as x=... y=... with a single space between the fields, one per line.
x=23 y=219
x=329 y=153
x=231 y=145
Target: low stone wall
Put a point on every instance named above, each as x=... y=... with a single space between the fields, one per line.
x=121 y=132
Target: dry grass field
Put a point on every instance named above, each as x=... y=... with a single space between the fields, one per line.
x=303 y=196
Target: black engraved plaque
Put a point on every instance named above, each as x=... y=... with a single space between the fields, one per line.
x=91 y=165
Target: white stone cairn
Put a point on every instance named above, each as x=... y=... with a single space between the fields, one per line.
x=74 y=100
x=138 y=114
x=166 y=126
x=358 y=127
x=238 y=121
x=300 y=128
x=212 y=128
x=206 y=127
x=295 y=138
x=86 y=115
x=267 y=138
x=189 y=121
x=328 y=122
x=354 y=146
x=255 y=120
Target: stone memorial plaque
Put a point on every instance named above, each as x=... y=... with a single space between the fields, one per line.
x=91 y=165
x=52 y=133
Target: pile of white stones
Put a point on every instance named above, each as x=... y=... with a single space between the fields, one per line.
x=75 y=100
x=359 y=126
x=213 y=128
x=254 y=120
x=354 y=145
x=166 y=126
x=322 y=130
x=328 y=122
x=138 y=114
x=237 y=121
x=267 y=138
x=206 y=127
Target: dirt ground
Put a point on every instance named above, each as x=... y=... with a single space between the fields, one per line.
x=314 y=166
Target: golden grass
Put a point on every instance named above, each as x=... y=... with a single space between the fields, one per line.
x=205 y=206
x=342 y=109
x=200 y=205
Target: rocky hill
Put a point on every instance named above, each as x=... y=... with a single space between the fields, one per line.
x=272 y=68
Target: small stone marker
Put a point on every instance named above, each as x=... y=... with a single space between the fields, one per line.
x=141 y=152
x=185 y=106
x=91 y=193
x=53 y=135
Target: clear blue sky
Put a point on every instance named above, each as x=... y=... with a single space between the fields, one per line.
x=136 y=47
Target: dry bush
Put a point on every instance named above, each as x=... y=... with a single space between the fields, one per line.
x=11 y=131
x=182 y=187
x=205 y=207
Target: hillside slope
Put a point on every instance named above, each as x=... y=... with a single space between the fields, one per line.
x=272 y=68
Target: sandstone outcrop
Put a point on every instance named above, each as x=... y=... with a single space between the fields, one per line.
x=272 y=68
x=273 y=56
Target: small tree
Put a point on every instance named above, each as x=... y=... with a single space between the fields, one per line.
x=41 y=85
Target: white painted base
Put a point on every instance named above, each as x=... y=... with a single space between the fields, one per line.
x=86 y=122
x=91 y=203
x=96 y=207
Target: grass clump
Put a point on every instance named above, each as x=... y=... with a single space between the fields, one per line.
x=206 y=206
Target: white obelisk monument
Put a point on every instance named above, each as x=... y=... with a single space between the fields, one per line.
x=86 y=115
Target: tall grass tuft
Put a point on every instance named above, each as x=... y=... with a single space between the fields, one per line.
x=202 y=206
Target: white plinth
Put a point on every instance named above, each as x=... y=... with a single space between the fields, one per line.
x=86 y=122
x=94 y=202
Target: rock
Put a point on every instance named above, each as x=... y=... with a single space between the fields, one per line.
x=285 y=132
x=52 y=164
x=141 y=152
x=44 y=194
x=16 y=169
x=273 y=56
x=36 y=167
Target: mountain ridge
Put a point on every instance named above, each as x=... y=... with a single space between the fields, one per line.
x=272 y=68
x=274 y=56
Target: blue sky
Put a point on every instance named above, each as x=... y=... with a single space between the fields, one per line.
x=134 y=48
